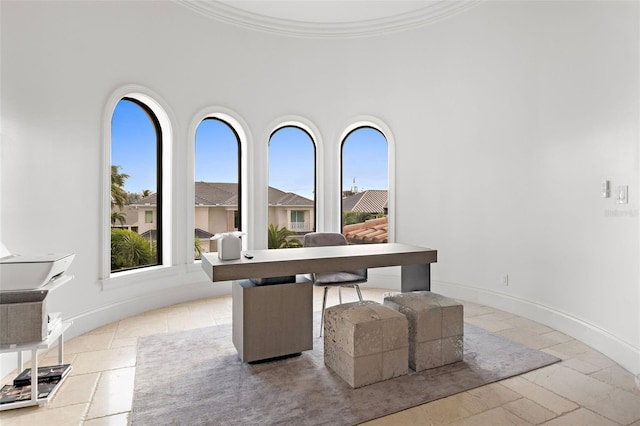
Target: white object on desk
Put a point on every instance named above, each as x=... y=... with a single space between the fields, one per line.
x=229 y=246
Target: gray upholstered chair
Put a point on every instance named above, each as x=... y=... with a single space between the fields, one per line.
x=333 y=279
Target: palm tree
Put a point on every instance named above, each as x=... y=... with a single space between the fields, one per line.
x=197 y=248
x=279 y=238
x=118 y=194
x=146 y=193
x=128 y=250
x=118 y=216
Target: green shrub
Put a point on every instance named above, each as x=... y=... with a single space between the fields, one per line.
x=280 y=238
x=351 y=217
x=130 y=250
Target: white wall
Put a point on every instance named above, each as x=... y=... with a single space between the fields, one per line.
x=506 y=119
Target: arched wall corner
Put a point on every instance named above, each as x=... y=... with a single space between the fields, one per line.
x=316 y=137
x=382 y=127
x=165 y=117
x=242 y=129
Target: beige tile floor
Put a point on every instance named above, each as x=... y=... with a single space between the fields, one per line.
x=586 y=388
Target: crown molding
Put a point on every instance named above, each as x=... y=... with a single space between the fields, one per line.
x=432 y=11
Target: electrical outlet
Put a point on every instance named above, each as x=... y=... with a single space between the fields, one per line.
x=505 y=280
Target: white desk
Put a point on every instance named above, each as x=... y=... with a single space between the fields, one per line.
x=415 y=262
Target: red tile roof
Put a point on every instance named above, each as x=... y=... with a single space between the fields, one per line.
x=371 y=231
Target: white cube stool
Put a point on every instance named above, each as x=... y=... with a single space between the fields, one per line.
x=436 y=328
x=365 y=342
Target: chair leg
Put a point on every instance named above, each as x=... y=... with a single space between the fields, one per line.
x=358 y=291
x=340 y=294
x=324 y=304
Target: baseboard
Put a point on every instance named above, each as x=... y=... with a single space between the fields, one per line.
x=599 y=339
x=610 y=345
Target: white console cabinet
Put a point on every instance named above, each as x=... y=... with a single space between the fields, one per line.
x=56 y=335
x=34 y=348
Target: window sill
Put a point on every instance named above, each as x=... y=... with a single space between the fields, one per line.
x=139 y=276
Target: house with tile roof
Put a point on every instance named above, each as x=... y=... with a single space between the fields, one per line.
x=216 y=211
x=375 y=202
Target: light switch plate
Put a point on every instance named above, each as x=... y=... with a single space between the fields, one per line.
x=622 y=194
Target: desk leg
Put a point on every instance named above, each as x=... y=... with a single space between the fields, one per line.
x=416 y=277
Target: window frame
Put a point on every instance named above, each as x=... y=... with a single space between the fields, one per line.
x=106 y=278
x=297 y=214
x=376 y=124
x=237 y=215
x=240 y=128
x=309 y=134
x=159 y=185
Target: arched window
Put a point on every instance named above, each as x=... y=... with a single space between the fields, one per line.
x=365 y=186
x=217 y=183
x=136 y=186
x=292 y=186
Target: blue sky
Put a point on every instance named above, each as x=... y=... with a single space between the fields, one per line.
x=291 y=156
x=291 y=161
x=365 y=158
x=216 y=154
x=133 y=146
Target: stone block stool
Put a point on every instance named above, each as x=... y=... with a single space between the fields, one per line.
x=435 y=327
x=365 y=342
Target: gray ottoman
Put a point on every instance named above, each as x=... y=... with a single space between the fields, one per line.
x=365 y=342
x=435 y=327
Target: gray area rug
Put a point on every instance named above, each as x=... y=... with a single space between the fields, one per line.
x=196 y=378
